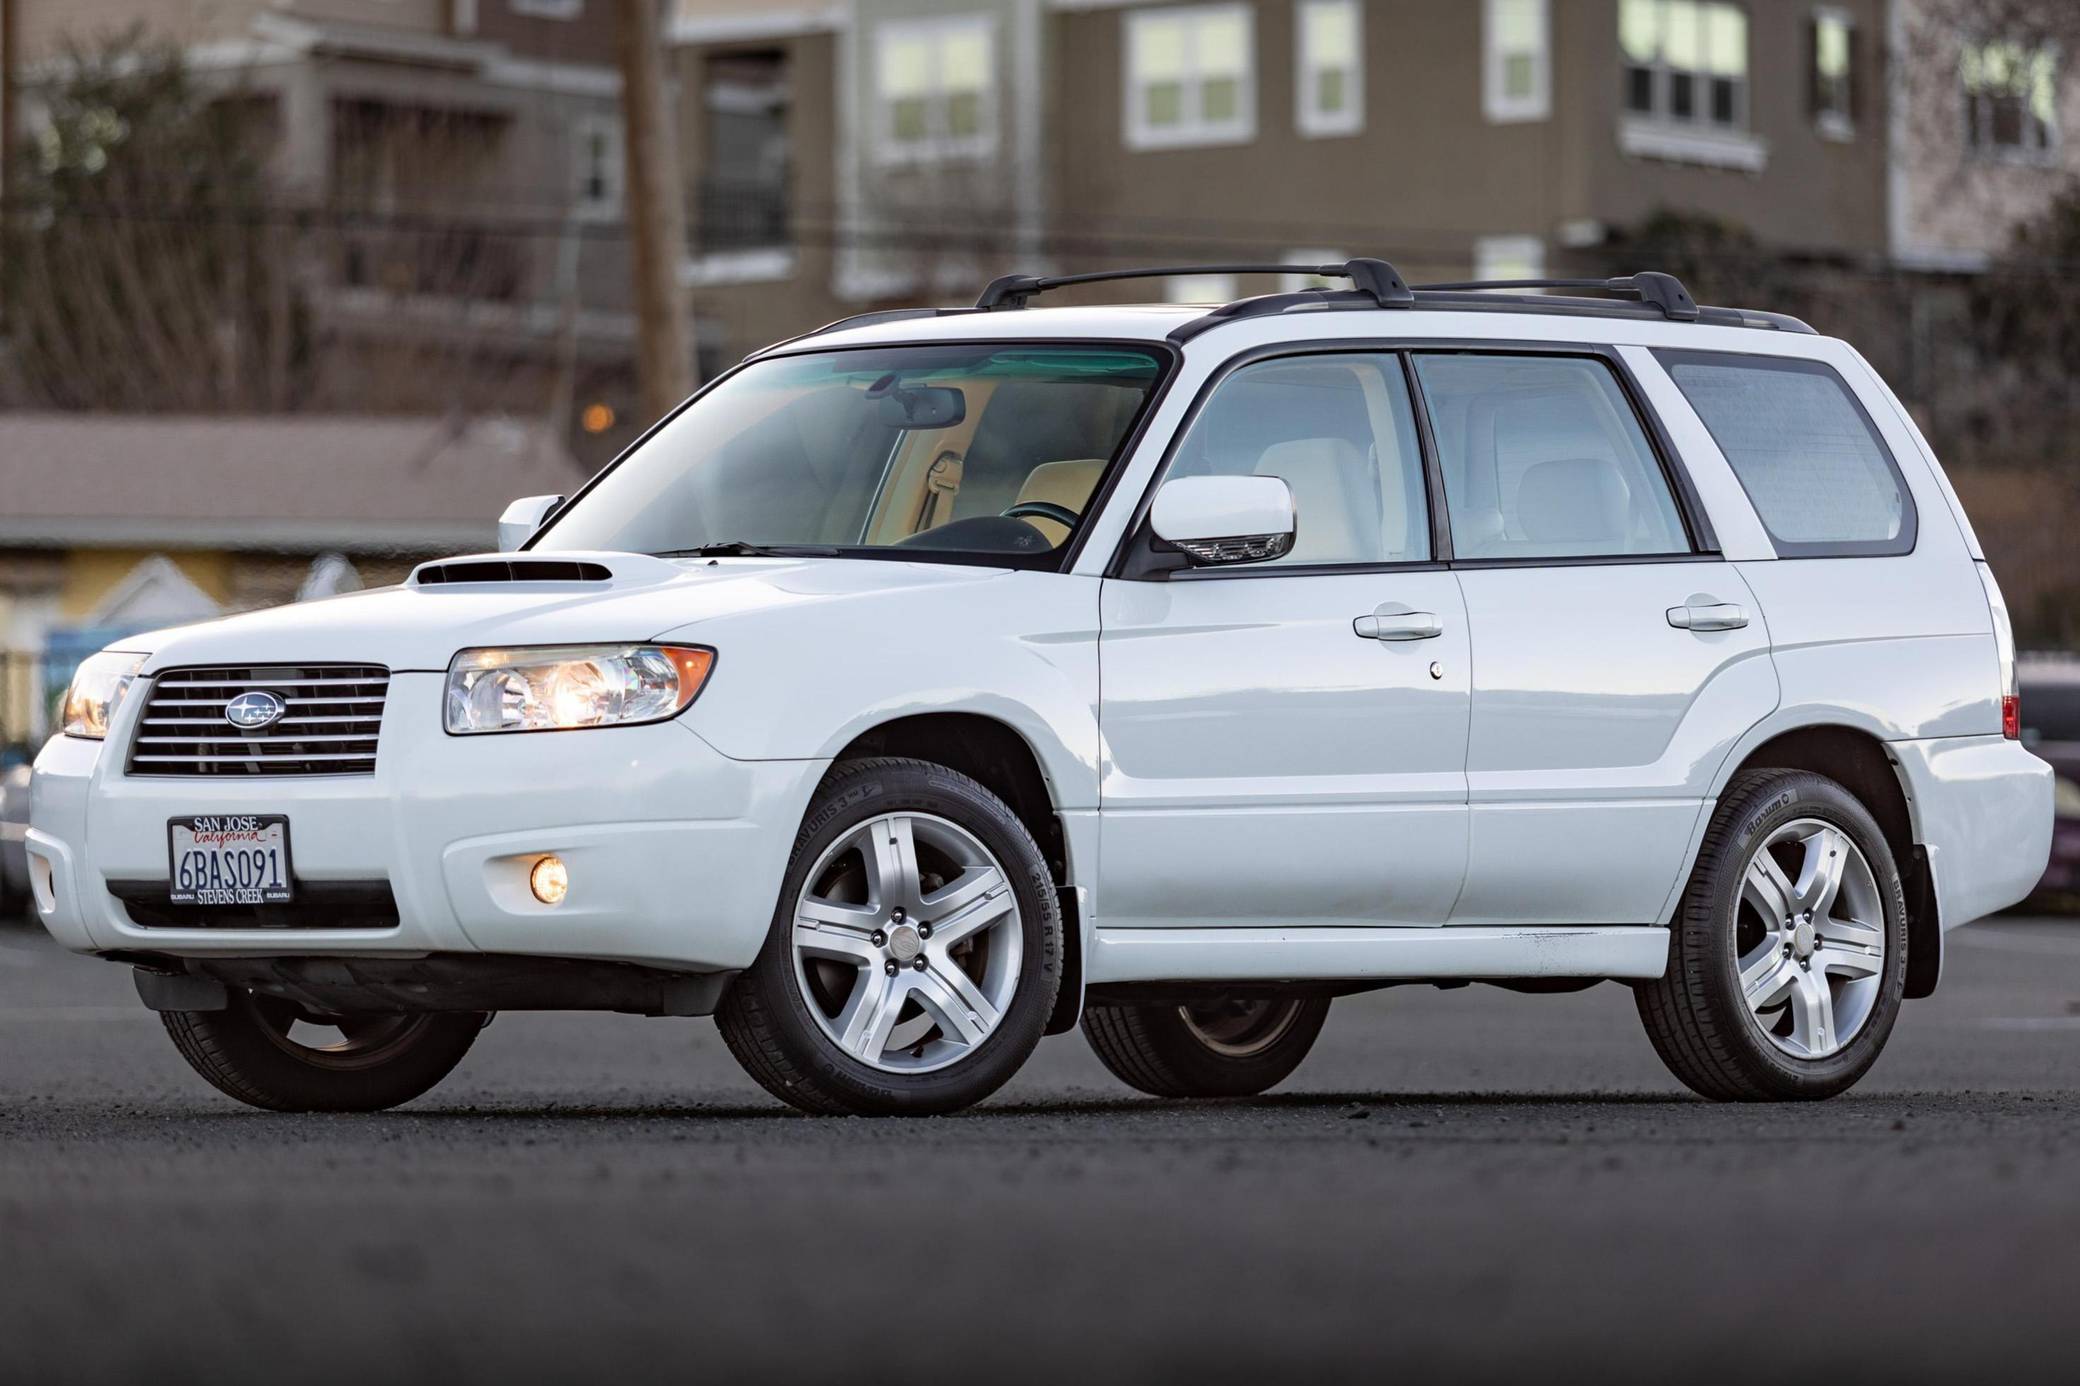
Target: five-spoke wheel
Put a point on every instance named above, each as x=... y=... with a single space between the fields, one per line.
x=907 y=944
x=915 y=954
x=1787 y=962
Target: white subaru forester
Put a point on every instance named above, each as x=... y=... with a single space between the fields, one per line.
x=937 y=679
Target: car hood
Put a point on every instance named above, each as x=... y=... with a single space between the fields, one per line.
x=532 y=599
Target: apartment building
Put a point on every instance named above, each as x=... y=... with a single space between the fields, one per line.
x=454 y=170
x=906 y=148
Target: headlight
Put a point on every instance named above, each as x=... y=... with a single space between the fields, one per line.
x=97 y=691
x=572 y=686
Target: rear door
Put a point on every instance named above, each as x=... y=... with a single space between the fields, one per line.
x=1616 y=655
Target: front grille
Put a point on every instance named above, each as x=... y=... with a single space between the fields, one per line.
x=318 y=905
x=331 y=716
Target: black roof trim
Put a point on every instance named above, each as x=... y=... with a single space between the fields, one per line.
x=1377 y=280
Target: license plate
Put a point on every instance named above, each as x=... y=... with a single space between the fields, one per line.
x=229 y=859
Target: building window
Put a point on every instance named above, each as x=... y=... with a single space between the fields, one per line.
x=548 y=9
x=1296 y=283
x=1834 y=74
x=935 y=80
x=1191 y=77
x=1686 y=62
x=1331 y=79
x=1509 y=257
x=600 y=165
x=1516 y=60
x=2010 y=98
x=1199 y=288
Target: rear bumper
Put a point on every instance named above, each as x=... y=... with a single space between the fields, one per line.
x=1982 y=808
x=675 y=851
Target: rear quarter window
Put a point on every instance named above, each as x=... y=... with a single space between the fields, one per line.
x=1818 y=474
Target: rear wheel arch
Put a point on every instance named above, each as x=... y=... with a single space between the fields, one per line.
x=997 y=756
x=1860 y=763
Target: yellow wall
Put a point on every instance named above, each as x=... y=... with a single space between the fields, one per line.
x=90 y=575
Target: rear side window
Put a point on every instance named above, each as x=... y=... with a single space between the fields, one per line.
x=1819 y=476
x=1543 y=457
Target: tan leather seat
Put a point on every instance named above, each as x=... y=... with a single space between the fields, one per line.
x=1069 y=483
x=1315 y=470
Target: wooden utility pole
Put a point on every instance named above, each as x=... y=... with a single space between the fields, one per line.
x=656 y=213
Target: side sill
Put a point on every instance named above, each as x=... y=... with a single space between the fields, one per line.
x=1400 y=954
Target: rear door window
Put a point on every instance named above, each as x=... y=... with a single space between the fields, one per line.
x=1543 y=457
x=1820 y=478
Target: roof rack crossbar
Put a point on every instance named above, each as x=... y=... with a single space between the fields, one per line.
x=1375 y=278
x=1662 y=291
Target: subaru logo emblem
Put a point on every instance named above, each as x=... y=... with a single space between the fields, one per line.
x=254 y=710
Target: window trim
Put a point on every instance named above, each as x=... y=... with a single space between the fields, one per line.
x=1898 y=546
x=936 y=147
x=1311 y=122
x=548 y=9
x=1129 y=561
x=1169 y=361
x=1497 y=104
x=1138 y=135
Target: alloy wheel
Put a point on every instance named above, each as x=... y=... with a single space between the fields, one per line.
x=907 y=942
x=1809 y=939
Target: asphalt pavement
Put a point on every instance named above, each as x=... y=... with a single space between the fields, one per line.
x=1467 y=1184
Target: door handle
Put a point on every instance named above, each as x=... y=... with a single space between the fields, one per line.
x=1397 y=622
x=1702 y=613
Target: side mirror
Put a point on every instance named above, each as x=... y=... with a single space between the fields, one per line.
x=1225 y=519
x=522 y=518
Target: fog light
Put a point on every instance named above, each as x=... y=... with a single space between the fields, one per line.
x=549 y=881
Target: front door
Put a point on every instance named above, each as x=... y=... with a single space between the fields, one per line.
x=1285 y=743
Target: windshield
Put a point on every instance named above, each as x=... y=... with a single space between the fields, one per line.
x=975 y=450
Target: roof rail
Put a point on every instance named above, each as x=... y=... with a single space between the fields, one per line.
x=1663 y=291
x=1376 y=279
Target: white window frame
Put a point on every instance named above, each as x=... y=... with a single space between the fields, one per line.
x=615 y=175
x=1200 y=289
x=1502 y=257
x=548 y=9
x=938 y=145
x=1193 y=132
x=1310 y=119
x=1664 y=73
x=1497 y=103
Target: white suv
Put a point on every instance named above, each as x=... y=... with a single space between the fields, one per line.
x=937 y=679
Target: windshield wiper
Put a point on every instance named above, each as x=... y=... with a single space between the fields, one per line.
x=737 y=548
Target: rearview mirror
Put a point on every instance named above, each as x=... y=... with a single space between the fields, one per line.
x=917 y=407
x=1225 y=519
x=522 y=518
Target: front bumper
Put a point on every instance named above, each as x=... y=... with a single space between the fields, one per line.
x=675 y=851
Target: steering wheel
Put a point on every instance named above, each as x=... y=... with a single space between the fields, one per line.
x=1045 y=510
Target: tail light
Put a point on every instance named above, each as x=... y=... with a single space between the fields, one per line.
x=2004 y=648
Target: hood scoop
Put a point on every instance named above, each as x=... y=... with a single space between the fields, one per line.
x=510 y=570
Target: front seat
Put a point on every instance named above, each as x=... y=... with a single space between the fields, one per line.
x=1068 y=483
x=1320 y=472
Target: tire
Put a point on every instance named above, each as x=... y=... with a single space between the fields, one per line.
x=250 y=1051
x=1698 y=1014
x=1220 y=1048
x=813 y=989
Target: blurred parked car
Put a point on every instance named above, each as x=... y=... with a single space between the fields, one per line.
x=14 y=861
x=2050 y=687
